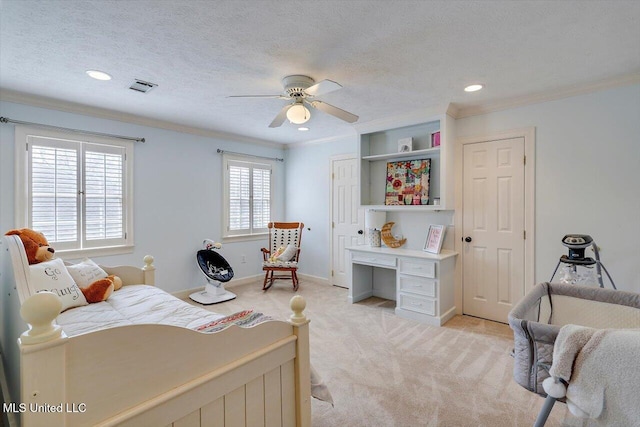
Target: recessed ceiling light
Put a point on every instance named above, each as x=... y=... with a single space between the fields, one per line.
x=98 y=75
x=473 y=88
x=303 y=129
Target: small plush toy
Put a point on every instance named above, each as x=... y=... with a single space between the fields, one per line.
x=101 y=289
x=35 y=245
x=274 y=256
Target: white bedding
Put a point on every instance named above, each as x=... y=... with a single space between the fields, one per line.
x=134 y=305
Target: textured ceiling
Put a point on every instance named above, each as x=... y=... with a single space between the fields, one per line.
x=392 y=57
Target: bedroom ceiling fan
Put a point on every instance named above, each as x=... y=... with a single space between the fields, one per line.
x=302 y=91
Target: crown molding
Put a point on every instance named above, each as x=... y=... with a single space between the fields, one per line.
x=326 y=140
x=551 y=95
x=103 y=113
x=405 y=119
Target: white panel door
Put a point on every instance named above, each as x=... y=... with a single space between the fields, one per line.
x=347 y=219
x=493 y=227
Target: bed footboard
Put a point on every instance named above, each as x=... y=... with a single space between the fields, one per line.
x=156 y=375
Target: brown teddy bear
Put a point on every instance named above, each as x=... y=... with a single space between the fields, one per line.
x=38 y=250
x=35 y=245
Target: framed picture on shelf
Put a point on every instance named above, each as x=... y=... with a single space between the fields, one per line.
x=408 y=182
x=435 y=237
x=405 y=145
x=435 y=139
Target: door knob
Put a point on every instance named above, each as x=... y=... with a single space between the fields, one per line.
x=360 y=232
x=468 y=239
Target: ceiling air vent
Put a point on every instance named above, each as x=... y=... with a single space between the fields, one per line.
x=142 y=86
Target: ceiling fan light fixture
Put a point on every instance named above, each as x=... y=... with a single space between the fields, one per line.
x=473 y=87
x=298 y=114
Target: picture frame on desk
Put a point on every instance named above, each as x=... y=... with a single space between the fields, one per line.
x=435 y=237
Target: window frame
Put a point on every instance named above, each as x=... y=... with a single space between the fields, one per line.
x=251 y=162
x=80 y=143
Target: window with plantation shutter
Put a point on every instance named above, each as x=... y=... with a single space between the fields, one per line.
x=247 y=196
x=74 y=189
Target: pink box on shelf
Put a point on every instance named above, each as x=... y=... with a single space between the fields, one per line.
x=435 y=139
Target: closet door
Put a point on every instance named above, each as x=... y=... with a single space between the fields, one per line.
x=347 y=219
x=493 y=227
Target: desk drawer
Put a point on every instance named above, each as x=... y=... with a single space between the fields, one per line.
x=418 y=304
x=418 y=285
x=373 y=259
x=418 y=268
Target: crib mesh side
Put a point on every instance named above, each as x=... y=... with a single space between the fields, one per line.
x=533 y=341
x=543 y=338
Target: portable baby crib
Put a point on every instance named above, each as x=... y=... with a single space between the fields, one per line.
x=536 y=321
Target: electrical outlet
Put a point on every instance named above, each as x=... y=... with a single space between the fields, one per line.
x=243 y=259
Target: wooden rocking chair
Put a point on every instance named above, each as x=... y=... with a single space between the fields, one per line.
x=283 y=253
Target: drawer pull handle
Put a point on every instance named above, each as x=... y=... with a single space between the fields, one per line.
x=417 y=304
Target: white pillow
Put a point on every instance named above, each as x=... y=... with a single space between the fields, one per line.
x=288 y=253
x=53 y=276
x=86 y=272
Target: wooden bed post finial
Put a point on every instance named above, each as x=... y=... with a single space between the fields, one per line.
x=40 y=311
x=149 y=270
x=298 y=305
x=148 y=263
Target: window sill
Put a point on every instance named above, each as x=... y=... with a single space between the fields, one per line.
x=245 y=238
x=94 y=252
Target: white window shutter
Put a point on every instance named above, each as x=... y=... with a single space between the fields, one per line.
x=77 y=193
x=239 y=198
x=247 y=197
x=104 y=195
x=54 y=182
x=261 y=198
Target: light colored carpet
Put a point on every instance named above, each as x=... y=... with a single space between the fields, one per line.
x=386 y=371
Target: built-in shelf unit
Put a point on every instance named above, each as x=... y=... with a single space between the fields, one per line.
x=377 y=147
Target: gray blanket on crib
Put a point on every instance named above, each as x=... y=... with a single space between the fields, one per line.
x=603 y=371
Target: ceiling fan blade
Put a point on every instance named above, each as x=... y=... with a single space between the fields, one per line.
x=334 y=111
x=259 y=96
x=320 y=88
x=280 y=118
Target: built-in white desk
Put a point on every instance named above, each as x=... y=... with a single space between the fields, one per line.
x=420 y=282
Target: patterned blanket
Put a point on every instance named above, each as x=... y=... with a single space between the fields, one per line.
x=244 y=319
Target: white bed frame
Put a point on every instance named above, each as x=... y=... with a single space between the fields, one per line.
x=156 y=375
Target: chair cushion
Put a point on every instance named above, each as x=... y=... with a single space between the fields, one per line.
x=286 y=264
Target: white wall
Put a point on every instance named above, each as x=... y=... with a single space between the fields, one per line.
x=587 y=166
x=177 y=194
x=308 y=193
x=588 y=155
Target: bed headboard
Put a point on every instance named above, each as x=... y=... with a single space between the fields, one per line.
x=20 y=265
x=129 y=275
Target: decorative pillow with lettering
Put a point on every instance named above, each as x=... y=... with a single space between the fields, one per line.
x=53 y=276
x=86 y=272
